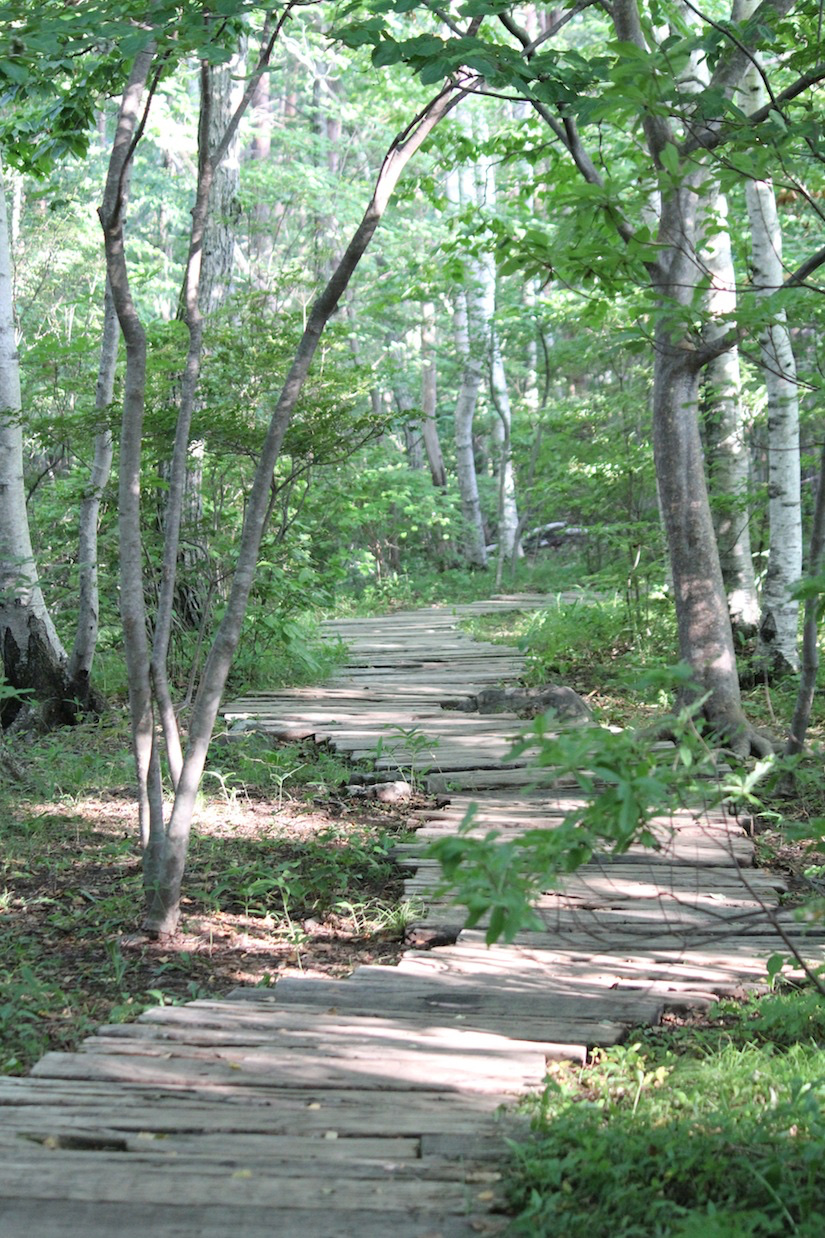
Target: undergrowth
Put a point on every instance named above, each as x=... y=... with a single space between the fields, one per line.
x=281 y=872
x=713 y=1130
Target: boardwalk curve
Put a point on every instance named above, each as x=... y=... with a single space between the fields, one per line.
x=373 y=1106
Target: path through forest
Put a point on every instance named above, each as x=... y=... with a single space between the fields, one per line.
x=372 y=1106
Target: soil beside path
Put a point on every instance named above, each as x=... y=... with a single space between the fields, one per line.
x=372 y=1106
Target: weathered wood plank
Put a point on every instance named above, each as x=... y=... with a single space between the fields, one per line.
x=189 y=1067
x=268 y=1110
x=113 y=1178
x=60 y=1217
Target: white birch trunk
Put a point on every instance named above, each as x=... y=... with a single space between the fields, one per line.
x=429 y=394
x=729 y=464
x=779 y=625
x=471 y=351
x=465 y=407
x=508 y=519
x=33 y=657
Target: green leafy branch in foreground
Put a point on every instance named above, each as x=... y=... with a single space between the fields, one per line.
x=624 y=782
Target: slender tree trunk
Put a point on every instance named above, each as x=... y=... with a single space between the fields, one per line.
x=475 y=542
x=405 y=403
x=260 y=239
x=810 y=629
x=779 y=624
x=429 y=402
x=132 y=600
x=88 y=603
x=508 y=520
x=729 y=465
x=34 y=660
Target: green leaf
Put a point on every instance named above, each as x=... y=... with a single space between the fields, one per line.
x=386 y=53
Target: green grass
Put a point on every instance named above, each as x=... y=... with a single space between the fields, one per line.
x=598 y=645
x=714 y=1132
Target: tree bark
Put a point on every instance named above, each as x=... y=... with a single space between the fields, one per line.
x=810 y=628
x=34 y=660
x=508 y=518
x=779 y=624
x=88 y=606
x=429 y=403
x=726 y=429
x=475 y=549
x=777 y=648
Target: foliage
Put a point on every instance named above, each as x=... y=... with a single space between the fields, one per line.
x=624 y=782
x=326 y=873
x=716 y=1129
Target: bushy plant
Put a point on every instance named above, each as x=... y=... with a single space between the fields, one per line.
x=699 y=1132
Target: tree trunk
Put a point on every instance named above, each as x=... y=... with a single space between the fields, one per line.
x=508 y=519
x=429 y=428
x=226 y=88
x=132 y=597
x=475 y=552
x=810 y=628
x=705 y=639
x=88 y=605
x=779 y=625
x=34 y=660
x=260 y=237
x=729 y=467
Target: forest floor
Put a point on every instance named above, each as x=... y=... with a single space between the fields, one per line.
x=300 y=884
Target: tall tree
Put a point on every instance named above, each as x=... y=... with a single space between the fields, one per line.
x=166 y=842
x=469 y=331
x=34 y=660
x=726 y=428
x=779 y=623
x=429 y=396
x=88 y=602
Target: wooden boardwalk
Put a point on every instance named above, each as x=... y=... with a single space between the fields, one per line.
x=372 y=1107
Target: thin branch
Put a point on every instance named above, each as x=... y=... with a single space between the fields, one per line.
x=798 y=277
x=746 y=51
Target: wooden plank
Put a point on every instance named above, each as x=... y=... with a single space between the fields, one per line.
x=58 y=1218
x=272 y=1110
x=325 y=1152
x=112 y=1178
x=448 y=1042
x=518 y=1006
x=186 y=1066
